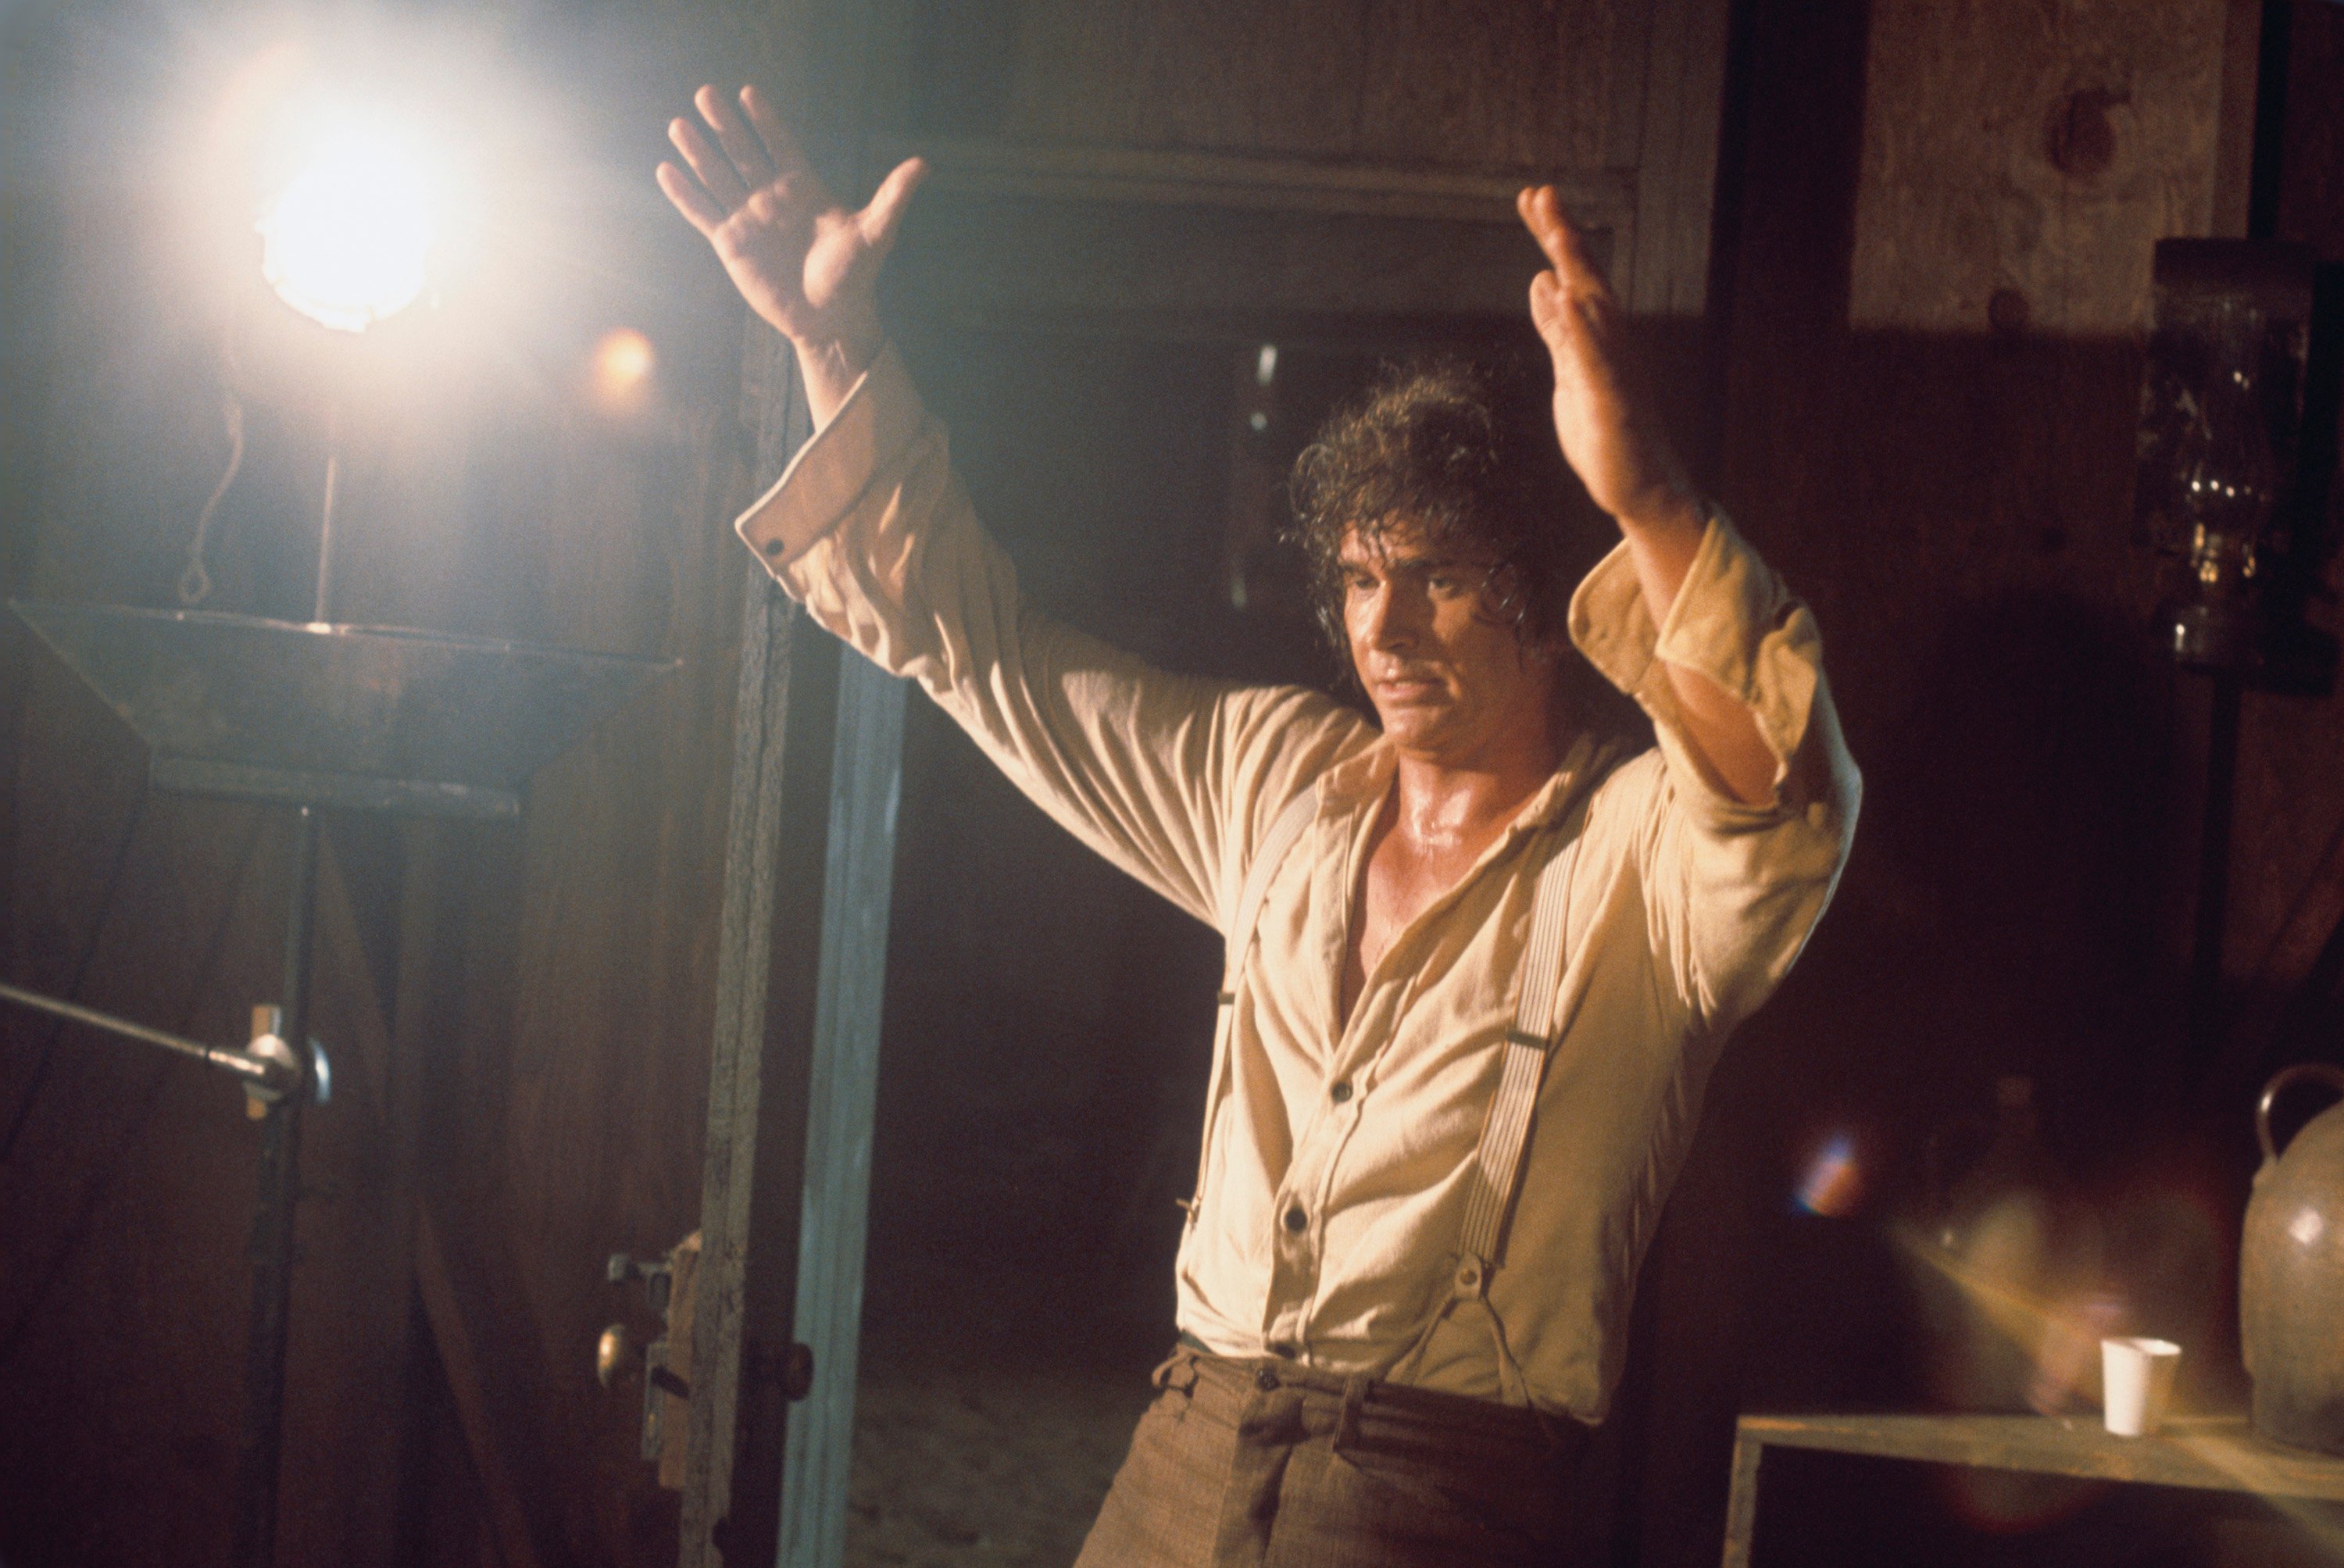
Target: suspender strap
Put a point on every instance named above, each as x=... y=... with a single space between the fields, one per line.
x=1497 y=1173
x=1505 y=1134
x=1275 y=846
x=1496 y=1169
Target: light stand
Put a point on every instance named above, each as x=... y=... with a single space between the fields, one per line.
x=314 y=717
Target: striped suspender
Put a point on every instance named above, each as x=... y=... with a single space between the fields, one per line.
x=1505 y=1134
x=1497 y=1172
x=1275 y=846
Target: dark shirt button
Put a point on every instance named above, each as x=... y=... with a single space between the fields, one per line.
x=1283 y=1351
x=774 y=546
x=1265 y=1379
x=1295 y=1220
x=1340 y=1092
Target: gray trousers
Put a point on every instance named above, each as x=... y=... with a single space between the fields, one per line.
x=1272 y=1465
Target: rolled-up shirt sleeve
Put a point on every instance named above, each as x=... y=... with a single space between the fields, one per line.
x=1173 y=778
x=1732 y=889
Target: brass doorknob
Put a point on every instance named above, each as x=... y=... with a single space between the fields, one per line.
x=614 y=1352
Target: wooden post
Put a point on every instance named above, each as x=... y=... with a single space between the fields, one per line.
x=800 y=958
x=1742 y=1501
x=866 y=784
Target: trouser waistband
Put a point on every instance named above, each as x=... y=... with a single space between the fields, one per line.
x=1364 y=1391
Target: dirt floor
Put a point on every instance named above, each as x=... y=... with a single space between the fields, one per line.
x=993 y=1401
x=974 y=1464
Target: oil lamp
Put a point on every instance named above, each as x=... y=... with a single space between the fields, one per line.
x=2221 y=420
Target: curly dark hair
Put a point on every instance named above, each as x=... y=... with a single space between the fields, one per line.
x=1445 y=446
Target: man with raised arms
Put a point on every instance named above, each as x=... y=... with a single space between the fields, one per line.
x=1479 y=965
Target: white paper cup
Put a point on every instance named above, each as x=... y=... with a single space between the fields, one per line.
x=2136 y=1383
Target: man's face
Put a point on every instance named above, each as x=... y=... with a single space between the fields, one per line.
x=1448 y=677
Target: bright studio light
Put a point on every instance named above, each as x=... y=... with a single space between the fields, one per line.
x=350 y=241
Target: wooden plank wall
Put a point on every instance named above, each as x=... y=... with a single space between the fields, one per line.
x=1522 y=87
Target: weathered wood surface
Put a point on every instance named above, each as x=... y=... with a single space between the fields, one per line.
x=1064 y=128
x=382 y=1073
x=1675 y=157
x=975 y=256
x=802 y=965
x=1430 y=82
x=866 y=789
x=2039 y=148
x=755 y=1098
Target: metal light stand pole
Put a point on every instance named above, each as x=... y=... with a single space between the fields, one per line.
x=261 y=1446
x=262 y=1443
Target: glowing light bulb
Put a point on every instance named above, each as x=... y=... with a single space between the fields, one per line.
x=349 y=242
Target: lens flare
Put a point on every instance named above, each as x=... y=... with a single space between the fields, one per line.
x=1834 y=1184
x=621 y=370
x=350 y=241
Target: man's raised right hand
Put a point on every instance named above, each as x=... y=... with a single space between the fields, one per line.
x=802 y=261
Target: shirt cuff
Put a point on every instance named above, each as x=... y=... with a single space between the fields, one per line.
x=879 y=418
x=1732 y=621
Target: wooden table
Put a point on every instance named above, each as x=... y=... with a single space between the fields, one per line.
x=2216 y=1453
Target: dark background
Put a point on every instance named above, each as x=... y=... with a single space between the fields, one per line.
x=533 y=1004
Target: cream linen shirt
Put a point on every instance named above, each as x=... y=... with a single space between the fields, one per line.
x=1328 y=1225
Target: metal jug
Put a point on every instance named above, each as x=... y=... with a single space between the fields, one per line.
x=2291 y=1274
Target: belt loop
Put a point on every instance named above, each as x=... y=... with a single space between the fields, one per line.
x=1347 y=1419
x=1177 y=1372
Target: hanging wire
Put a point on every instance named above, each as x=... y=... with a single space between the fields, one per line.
x=196 y=582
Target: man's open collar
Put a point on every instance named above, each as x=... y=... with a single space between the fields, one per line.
x=1358 y=783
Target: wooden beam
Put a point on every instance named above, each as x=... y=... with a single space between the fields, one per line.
x=866 y=784
x=765 y=984
x=801 y=966
x=1149 y=177
x=1741 y=1500
x=460 y=1358
x=1676 y=169
x=343 y=966
x=2234 y=132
